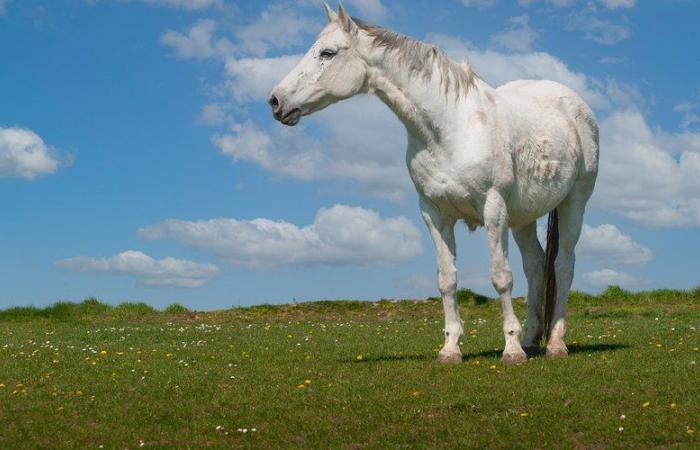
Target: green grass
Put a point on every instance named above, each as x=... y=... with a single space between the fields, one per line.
x=347 y=375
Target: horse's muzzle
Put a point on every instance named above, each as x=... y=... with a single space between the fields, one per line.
x=290 y=118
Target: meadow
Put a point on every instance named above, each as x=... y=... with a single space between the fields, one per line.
x=347 y=375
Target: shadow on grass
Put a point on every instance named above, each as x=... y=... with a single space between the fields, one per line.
x=487 y=354
x=388 y=358
x=573 y=349
x=594 y=348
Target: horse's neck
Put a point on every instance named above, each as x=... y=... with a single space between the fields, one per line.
x=423 y=105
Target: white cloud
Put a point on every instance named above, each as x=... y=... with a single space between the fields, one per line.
x=197 y=42
x=373 y=158
x=340 y=235
x=24 y=154
x=149 y=271
x=690 y=118
x=612 y=60
x=186 y=4
x=607 y=277
x=614 y=4
x=610 y=4
x=518 y=36
x=214 y=114
x=596 y=29
x=189 y=5
x=254 y=78
x=608 y=245
x=640 y=180
x=279 y=26
x=364 y=9
x=479 y=3
x=288 y=152
x=369 y=9
x=556 y=3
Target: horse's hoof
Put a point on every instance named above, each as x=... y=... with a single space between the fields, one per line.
x=532 y=350
x=449 y=357
x=514 y=357
x=557 y=352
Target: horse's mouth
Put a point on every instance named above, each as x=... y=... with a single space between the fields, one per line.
x=292 y=117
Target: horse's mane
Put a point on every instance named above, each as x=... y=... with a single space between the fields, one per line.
x=422 y=59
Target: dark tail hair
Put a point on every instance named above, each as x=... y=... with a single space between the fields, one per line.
x=550 y=278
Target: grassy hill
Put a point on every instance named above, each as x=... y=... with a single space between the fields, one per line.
x=347 y=375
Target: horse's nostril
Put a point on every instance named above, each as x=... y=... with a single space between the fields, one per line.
x=274 y=103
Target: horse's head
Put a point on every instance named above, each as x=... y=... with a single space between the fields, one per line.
x=332 y=70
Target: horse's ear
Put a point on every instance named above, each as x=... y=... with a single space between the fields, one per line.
x=329 y=12
x=345 y=20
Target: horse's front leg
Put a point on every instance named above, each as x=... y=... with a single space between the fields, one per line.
x=442 y=231
x=496 y=223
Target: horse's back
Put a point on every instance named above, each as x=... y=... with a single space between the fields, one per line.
x=555 y=141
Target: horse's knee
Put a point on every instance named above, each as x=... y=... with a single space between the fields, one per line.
x=447 y=281
x=502 y=281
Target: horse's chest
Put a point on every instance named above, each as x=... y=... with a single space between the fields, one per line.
x=437 y=180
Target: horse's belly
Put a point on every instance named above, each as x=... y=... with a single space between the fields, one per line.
x=540 y=185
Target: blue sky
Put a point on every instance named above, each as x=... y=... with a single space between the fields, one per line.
x=139 y=161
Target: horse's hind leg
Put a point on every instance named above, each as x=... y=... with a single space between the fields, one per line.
x=570 y=221
x=533 y=266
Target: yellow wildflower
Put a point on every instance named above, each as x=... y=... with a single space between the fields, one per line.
x=646 y=404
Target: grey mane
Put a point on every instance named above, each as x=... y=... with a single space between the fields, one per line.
x=422 y=59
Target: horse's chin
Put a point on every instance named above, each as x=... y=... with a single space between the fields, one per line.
x=292 y=118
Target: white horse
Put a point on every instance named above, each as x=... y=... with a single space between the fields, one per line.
x=498 y=158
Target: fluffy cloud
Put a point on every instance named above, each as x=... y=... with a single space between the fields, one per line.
x=195 y=43
x=189 y=5
x=642 y=181
x=149 y=271
x=518 y=36
x=289 y=27
x=369 y=9
x=24 y=154
x=607 y=277
x=479 y=3
x=614 y=4
x=610 y=4
x=186 y=4
x=374 y=158
x=597 y=29
x=608 y=245
x=340 y=235
x=253 y=78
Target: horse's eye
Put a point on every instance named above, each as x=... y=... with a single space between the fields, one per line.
x=328 y=53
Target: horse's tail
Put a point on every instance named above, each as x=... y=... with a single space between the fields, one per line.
x=550 y=279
